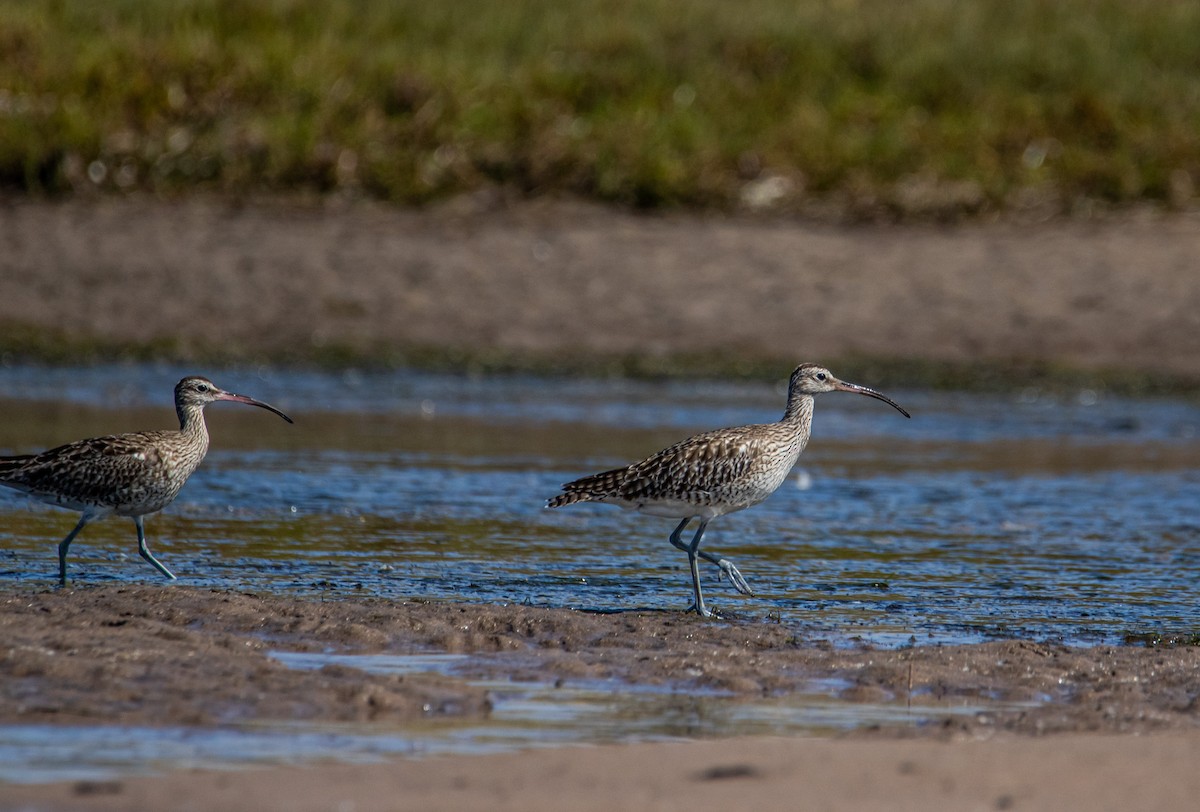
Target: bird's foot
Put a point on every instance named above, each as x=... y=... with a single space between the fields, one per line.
x=735 y=577
x=703 y=611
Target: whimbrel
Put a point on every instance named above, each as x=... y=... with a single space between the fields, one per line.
x=125 y=474
x=716 y=472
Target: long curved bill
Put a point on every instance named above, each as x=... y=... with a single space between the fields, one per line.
x=246 y=399
x=871 y=393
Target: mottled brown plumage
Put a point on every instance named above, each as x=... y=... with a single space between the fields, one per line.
x=125 y=474
x=715 y=473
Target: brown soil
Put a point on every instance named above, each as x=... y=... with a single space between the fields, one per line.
x=553 y=280
x=154 y=655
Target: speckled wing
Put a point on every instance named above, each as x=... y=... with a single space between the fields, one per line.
x=699 y=470
x=98 y=472
x=696 y=470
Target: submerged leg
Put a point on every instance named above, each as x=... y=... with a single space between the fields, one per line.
x=66 y=543
x=724 y=564
x=145 y=551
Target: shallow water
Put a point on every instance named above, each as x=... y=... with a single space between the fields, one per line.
x=984 y=516
x=1061 y=518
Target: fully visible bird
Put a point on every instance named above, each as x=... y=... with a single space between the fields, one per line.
x=716 y=472
x=124 y=474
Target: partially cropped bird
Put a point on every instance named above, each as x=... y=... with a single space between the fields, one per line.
x=125 y=474
x=716 y=472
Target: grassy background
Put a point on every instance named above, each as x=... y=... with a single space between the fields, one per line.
x=923 y=107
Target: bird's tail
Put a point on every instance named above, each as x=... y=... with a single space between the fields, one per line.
x=594 y=488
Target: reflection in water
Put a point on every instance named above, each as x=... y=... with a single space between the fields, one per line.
x=982 y=517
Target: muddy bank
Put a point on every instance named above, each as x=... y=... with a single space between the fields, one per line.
x=182 y=656
x=552 y=283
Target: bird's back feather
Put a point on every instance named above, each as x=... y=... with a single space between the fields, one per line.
x=726 y=469
x=132 y=474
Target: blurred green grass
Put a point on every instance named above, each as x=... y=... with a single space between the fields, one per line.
x=861 y=107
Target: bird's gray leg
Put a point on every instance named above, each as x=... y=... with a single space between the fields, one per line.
x=724 y=564
x=692 y=551
x=65 y=544
x=675 y=540
x=145 y=551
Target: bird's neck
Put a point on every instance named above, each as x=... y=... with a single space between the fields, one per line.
x=191 y=423
x=799 y=412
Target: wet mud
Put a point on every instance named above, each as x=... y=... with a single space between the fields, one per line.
x=184 y=656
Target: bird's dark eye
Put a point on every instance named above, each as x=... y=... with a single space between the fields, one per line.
x=820 y=376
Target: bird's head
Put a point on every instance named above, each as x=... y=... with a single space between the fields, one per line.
x=811 y=379
x=196 y=390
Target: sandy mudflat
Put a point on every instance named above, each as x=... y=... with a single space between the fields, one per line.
x=181 y=656
x=1095 y=773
